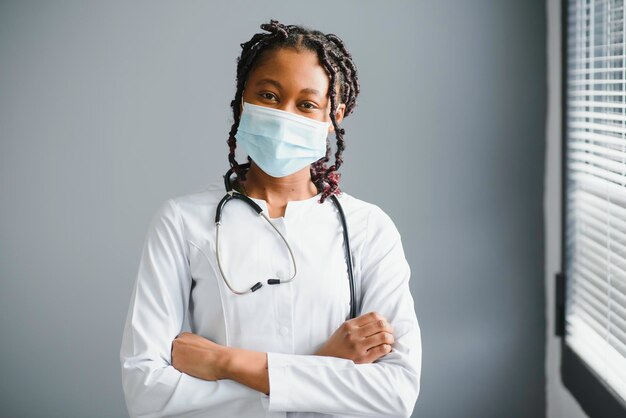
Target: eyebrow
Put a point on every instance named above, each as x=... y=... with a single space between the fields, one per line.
x=277 y=84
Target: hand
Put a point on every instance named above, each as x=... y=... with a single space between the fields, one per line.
x=198 y=356
x=363 y=339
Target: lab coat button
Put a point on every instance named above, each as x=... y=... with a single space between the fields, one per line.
x=284 y=330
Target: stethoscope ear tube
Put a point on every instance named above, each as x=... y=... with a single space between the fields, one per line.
x=229 y=173
x=235 y=195
x=346 y=241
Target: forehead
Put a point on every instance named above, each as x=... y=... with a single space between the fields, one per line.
x=292 y=68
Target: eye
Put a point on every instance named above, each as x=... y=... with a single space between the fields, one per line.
x=267 y=95
x=309 y=105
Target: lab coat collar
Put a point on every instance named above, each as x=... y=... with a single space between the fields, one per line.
x=294 y=209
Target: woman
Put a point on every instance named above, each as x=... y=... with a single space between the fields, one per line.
x=296 y=348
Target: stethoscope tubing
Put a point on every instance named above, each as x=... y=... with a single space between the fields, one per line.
x=233 y=194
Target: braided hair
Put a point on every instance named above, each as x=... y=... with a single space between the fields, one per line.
x=338 y=64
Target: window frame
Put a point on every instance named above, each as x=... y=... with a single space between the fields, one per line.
x=597 y=399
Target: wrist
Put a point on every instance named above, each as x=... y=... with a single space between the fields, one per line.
x=224 y=363
x=247 y=367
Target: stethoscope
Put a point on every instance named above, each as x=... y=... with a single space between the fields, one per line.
x=234 y=194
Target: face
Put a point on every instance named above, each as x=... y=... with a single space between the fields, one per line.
x=294 y=82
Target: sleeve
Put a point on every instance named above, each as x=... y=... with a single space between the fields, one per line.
x=388 y=387
x=152 y=386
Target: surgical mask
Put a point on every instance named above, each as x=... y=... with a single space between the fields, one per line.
x=280 y=142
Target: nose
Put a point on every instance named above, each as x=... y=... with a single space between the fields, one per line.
x=288 y=106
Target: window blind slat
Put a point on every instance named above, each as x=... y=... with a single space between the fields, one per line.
x=595 y=187
x=609 y=315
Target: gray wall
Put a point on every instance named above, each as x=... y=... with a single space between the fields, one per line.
x=108 y=108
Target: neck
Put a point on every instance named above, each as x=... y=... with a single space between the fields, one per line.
x=296 y=186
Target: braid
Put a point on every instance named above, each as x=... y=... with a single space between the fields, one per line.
x=348 y=66
x=330 y=175
x=338 y=64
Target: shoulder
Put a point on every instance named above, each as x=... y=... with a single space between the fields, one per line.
x=376 y=222
x=377 y=239
x=194 y=206
x=209 y=195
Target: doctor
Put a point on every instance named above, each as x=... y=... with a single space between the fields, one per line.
x=288 y=348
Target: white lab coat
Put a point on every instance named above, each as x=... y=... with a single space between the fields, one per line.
x=178 y=276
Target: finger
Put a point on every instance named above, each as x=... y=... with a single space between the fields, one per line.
x=366 y=319
x=378 y=339
x=375 y=327
x=375 y=353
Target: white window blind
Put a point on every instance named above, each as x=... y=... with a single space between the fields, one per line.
x=595 y=147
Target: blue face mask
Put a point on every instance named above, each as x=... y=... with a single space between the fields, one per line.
x=280 y=142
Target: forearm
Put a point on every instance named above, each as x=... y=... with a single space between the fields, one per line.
x=329 y=384
x=338 y=386
x=247 y=367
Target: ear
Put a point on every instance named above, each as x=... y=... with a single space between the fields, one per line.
x=338 y=116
